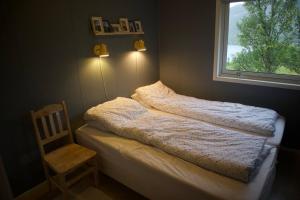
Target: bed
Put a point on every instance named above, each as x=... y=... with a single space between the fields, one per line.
x=158 y=175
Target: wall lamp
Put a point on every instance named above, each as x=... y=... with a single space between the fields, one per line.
x=101 y=50
x=139 y=45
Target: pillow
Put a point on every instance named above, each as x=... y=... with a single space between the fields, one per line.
x=136 y=97
x=120 y=106
x=157 y=89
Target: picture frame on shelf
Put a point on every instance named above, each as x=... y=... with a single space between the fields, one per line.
x=138 y=26
x=97 y=25
x=107 y=26
x=124 y=24
x=131 y=26
x=116 y=28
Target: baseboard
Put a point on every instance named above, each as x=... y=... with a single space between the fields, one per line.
x=35 y=193
x=38 y=191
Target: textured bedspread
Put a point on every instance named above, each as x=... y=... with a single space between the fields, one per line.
x=243 y=117
x=226 y=152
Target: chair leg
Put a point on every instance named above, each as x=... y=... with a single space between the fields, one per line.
x=46 y=169
x=96 y=178
x=63 y=184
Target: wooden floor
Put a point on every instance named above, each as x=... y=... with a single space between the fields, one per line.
x=286 y=185
x=287 y=182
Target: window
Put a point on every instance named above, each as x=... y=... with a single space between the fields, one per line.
x=258 y=42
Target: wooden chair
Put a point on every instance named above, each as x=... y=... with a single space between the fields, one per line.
x=51 y=124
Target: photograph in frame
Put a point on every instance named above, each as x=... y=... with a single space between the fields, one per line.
x=138 y=26
x=124 y=24
x=116 y=28
x=107 y=26
x=131 y=26
x=97 y=25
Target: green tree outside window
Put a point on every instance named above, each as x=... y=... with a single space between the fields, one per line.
x=270 y=37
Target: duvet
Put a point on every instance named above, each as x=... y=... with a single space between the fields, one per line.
x=226 y=152
x=234 y=115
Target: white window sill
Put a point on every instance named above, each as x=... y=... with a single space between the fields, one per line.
x=225 y=78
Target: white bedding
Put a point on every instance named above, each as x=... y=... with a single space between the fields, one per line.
x=223 y=151
x=274 y=140
x=158 y=175
x=249 y=118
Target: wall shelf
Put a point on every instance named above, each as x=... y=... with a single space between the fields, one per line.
x=121 y=33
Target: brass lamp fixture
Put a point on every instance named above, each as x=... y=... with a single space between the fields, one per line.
x=101 y=50
x=139 y=45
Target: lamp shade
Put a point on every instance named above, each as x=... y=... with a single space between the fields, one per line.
x=139 y=45
x=101 y=50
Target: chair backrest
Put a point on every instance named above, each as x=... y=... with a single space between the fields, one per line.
x=50 y=124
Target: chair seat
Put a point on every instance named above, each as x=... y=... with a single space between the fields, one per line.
x=68 y=157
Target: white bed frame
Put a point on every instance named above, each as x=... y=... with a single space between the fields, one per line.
x=158 y=175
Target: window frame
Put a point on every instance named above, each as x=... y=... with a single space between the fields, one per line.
x=220 y=73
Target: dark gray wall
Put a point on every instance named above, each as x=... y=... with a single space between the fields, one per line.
x=46 y=57
x=5 y=191
x=186 y=64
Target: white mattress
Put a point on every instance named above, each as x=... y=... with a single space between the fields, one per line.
x=275 y=140
x=158 y=175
